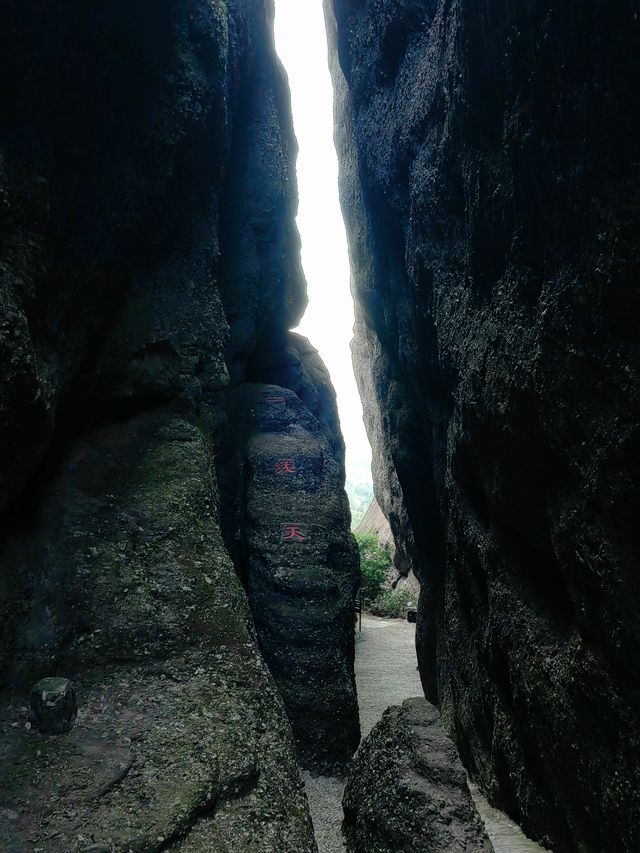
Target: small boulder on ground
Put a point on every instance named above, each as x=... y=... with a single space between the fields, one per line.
x=407 y=791
x=53 y=705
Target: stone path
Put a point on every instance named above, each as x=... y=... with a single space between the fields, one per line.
x=386 y=675
x=506 y=836
x=386 y=670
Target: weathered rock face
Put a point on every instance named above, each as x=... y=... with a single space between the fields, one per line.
x=114 y=139
x=299 y=563
x=181 y=741
x=375 y=522
x=407 y=790
x=490 y=185
x=148 y=266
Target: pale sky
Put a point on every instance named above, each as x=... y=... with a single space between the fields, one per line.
x=328 y=322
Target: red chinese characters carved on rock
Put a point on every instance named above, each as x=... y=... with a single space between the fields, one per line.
x=274 y=399
x=293 y=533
x=286 y=466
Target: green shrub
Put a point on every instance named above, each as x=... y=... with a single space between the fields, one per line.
x=375 y=563
x=394 y=603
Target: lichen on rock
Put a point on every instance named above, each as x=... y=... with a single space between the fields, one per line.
x=53 y=705
x=180 y=727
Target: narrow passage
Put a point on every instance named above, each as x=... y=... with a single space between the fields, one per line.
x=386 y=675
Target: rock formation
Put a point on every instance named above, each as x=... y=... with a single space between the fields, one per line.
x=299 y=564
x=53 y=705
x=181 y=741
x=489 y=183
x=149 y=268
x=407 y=790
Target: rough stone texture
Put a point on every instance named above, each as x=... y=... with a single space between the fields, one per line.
x=128 y=136
x=181 y=741
x=489 y=181
x=148 y=258
x=53 y=705
x=407 y=790
x=114 y=138
x=299 y=562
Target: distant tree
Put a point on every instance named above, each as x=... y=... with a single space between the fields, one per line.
x=375 y=563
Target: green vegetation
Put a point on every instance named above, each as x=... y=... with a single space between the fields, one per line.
x=393 y=604
x=375 y=563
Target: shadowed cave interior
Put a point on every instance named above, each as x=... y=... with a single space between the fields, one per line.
x=181 y=667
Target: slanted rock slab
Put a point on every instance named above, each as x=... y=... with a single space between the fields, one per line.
x=407 y=791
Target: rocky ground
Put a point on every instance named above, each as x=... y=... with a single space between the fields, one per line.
x=181 y=741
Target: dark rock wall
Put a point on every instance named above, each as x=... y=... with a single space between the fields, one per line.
x=114 y=137
x=149 y=264
x=490 y=184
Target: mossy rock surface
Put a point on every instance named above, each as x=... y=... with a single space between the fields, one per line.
x=181 y=741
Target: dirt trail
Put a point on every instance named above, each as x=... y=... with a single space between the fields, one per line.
x=386 y=675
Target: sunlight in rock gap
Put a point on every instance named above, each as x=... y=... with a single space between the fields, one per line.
x=328 y=322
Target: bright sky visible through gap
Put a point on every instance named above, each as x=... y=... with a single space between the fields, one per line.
x=301 y=43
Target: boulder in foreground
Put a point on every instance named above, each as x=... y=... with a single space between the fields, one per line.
x=407 y=791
